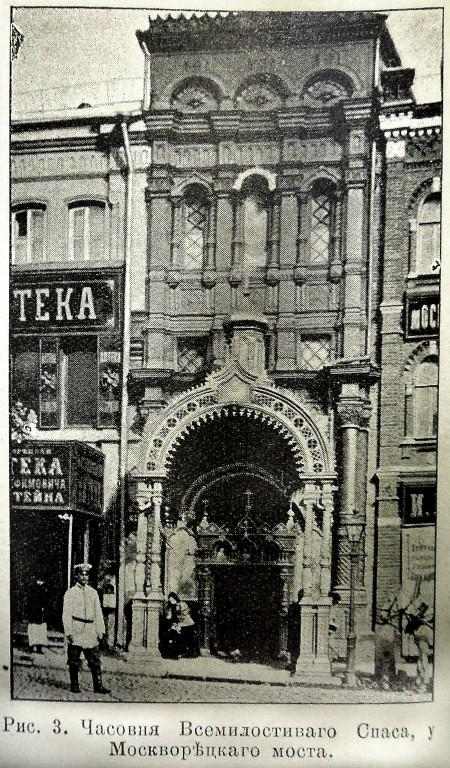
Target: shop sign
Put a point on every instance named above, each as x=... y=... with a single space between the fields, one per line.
x=67 y=477
x=422 y=316
x=62 y=302
x=418 y=570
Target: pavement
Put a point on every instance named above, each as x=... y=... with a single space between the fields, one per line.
x=203 y=679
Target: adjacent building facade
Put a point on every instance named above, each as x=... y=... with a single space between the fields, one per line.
x=255 y=252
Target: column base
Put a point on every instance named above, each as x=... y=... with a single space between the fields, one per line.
x=146 y=613
x=315 y=670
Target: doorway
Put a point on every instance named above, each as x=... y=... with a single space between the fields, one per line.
x=246 y=611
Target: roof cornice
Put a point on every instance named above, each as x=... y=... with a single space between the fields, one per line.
x=265 y=28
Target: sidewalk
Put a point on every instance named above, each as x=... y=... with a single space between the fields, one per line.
x=203 y=669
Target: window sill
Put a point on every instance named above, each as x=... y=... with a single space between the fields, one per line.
x=419 y=442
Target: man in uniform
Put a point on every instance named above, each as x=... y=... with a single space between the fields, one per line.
x=84 y=627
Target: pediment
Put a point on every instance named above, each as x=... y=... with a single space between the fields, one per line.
x=233 y=384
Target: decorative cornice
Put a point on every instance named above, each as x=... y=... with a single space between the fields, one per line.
x=265 y=28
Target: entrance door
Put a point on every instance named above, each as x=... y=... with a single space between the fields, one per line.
x=246 y=611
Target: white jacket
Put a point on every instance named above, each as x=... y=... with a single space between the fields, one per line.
x=82 y=616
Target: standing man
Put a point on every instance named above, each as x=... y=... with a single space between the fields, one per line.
x=84 y=627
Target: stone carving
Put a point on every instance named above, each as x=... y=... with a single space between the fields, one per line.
x=324 y=92
x=259 y=96
x=194 y=98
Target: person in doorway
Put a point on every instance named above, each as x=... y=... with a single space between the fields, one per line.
x=181 y=628
x=84 y=628
x=37 y=607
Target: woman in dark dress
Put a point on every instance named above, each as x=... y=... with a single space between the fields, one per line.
x=180 y=629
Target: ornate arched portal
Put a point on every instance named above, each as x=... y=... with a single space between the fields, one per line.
x=211 y=449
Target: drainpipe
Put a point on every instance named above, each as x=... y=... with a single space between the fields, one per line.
x=147 y=77
x=123 y=436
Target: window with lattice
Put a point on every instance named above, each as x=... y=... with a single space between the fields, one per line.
x=195 y=219
x=321 y=216
x=191 y=353
x=315 y=351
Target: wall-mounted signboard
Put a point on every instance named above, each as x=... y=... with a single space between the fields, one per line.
x=66 y=302
x=63 y=476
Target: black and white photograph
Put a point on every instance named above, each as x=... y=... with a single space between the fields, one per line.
x=225 y=253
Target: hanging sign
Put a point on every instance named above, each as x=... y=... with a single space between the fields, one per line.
x=67 y=477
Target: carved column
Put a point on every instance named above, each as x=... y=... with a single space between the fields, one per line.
x=309 y=496
x=353 y=427
x=138 y=631
x=205 y=602
x=336 y=261
x=173 y=277
x=313 y=664
x=302 y=238
x=237 y=243
x=327 y=527
x=355 y=266
x=283 y=628
x=273 y=255
x=209 y=274
x=147 y=601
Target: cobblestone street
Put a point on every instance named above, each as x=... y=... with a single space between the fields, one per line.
x=42 y=683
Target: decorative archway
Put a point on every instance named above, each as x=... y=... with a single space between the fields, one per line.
x=242 y=391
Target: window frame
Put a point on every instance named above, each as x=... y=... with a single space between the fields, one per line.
x=56 y=347
x=435 y=256
x=28 y=208
x=197 y=193
x=86 y=205
x=322 y=188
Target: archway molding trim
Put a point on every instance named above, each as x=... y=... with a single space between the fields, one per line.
x=237 y=393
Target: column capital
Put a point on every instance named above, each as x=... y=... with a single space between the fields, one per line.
x=354 y=414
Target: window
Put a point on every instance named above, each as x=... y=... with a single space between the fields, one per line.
x=78 y=360
x=255 y=221
x=421 y=401
x=426 y=399
x=429 y=235
x=194 y=227
x=73 y=381
x=321 y=224
x=191 y=353
x=86 y=231
x=28 y=234
x=314 y=352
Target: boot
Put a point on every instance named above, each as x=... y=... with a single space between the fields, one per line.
x=97 y=681
x=73 y=671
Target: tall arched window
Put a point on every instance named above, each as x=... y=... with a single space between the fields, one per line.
x=429 y=235
x=255 y=212
x=421 y=400
x=28 y=234
x=194 y=217
x=322 y=204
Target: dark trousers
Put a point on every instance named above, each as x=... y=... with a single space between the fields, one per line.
x=92 y=656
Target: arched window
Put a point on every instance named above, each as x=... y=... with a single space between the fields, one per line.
x=87 y=231
x=255 y=212
x=421 y=400
x=194 y=218
x=28 y=239
x=429 y=235
x=322 y=204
